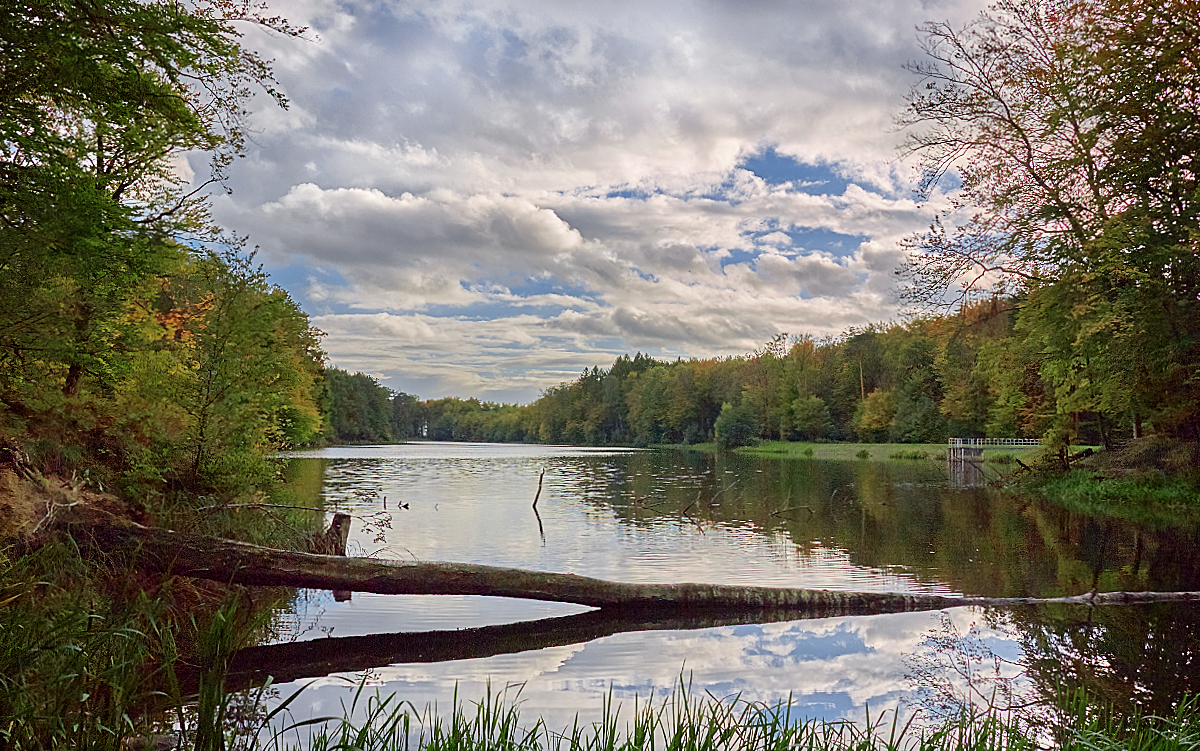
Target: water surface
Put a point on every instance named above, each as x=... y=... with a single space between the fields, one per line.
x=668 y=516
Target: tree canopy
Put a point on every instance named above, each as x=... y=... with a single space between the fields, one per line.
x=1074 y=126
x=133 y=338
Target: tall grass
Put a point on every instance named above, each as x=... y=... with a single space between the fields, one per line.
x=71 y=671
x=86 y=667
x=1150 y=498
x=684 y=721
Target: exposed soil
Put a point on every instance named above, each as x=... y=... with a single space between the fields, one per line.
x=30 y=504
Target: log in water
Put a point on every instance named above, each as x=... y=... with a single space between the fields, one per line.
x=228 y=561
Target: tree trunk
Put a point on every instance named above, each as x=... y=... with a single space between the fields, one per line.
x=183 y=554
x=233 y=562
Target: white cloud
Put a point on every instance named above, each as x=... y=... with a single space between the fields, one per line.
x=506 y=174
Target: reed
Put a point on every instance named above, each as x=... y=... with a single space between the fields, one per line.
x=89 y=651
x=685 y=721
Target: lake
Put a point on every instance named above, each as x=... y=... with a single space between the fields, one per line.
x=666 y=516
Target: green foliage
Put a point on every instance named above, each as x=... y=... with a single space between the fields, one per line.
x=968 y=375
x=736 y=426
x=256 y=364
x=125 y=350
x=95 y=102
x=917 y=418
x=1080 y=199
x=874 y=418
x=863 y=454
x=810 y=417
x=357 y=408
x=407 y=418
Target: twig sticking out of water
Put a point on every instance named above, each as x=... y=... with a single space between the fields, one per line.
x=691 y=518
x=222 y=506
x=541 y=529
x=793 y=508
x=717 y=494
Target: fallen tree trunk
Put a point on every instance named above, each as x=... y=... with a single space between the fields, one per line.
x=233 y=562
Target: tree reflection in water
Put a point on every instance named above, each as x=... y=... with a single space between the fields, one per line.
x=1074 y=664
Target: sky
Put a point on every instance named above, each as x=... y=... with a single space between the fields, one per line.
x=485 y=198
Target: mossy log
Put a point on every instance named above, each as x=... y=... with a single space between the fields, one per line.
x=228 y=561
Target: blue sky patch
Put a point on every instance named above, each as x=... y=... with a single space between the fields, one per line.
x=294 y=278
x=627 y=193
x=816 y=238
x=811 y=238
x=822 y=705
x=550 y=285
x=738 y=255
x=776 y=169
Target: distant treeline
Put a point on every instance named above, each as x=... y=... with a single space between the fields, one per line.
x=358 y=410
x=967 y=375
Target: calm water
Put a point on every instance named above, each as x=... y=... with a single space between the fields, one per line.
x=665 y=516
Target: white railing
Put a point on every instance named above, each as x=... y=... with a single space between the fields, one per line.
x=959 y=443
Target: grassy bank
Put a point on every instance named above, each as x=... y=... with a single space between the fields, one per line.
x=95 y=651
x=1151 y=498
x=873 y=451
x=1153 y=480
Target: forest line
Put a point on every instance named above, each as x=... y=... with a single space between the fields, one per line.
x=970 y=374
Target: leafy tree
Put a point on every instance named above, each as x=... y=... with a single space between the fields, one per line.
x=408 y=419
x=736 y=425
x=358 y=409
x=649 y=401
x=810 y=417
x=257 y=366
x=762 y=382
x=917 y=418
x=121 y=340
x=96 y=99
x=1074 y=127
x=873 y=420
x=219 y=369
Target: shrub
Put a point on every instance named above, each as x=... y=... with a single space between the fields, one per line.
x=735 y=426
x=914 y=454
